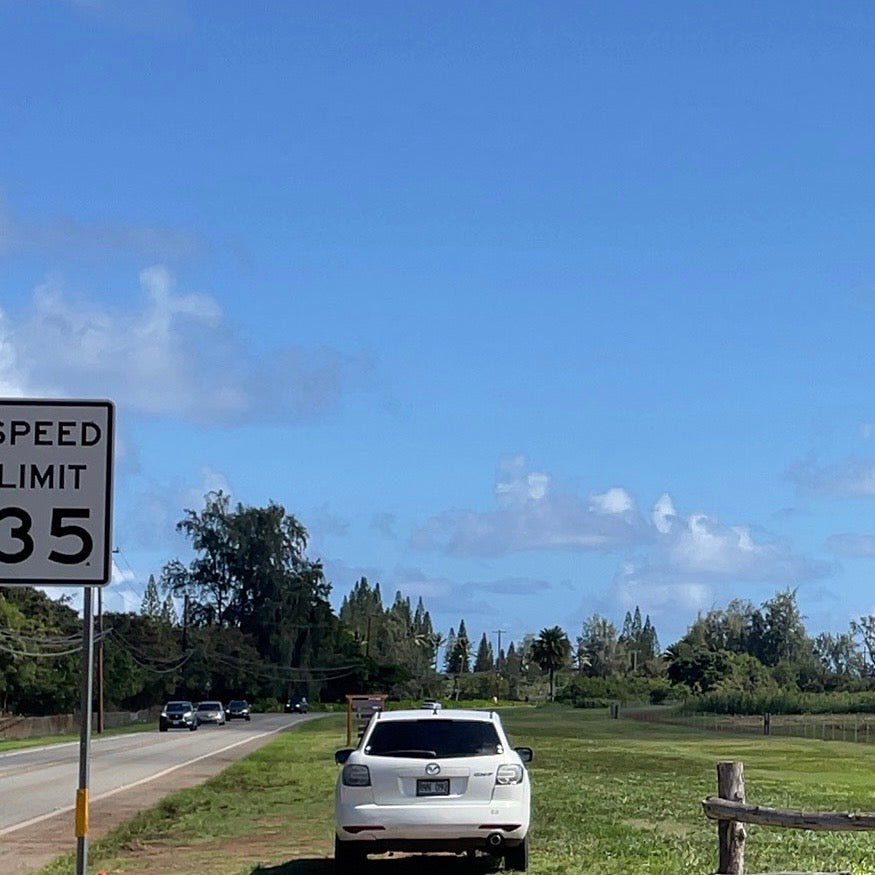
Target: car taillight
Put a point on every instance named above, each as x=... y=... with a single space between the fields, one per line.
x=509 y=774
x=354 y=775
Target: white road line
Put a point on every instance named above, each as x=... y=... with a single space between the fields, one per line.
x=23 y=750
x=191 y=762
x=100 y=740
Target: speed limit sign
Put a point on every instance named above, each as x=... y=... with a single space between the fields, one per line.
x=56 y=492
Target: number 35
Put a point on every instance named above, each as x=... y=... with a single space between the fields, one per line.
x=60 y=529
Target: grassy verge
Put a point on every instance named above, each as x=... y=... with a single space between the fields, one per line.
x=610 y=797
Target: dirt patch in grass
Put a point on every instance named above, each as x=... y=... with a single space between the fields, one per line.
x=663 y=827
x=266 y=852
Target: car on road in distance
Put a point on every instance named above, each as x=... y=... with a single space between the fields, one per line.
x=444 y=781
x=431 y=705
x=297 y=705
x=238 y=709
x=210 y=712
x=177 y=715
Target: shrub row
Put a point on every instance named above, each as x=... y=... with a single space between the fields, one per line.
x=781 y=702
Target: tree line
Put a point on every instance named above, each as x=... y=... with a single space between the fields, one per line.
x=249 y=616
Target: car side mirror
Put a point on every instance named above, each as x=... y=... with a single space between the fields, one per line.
x=341 y=756
x=525 y=753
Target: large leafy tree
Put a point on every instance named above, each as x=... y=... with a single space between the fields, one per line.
x=39 y=653
x=784 y=636
x=143 y=660
x=551 y=650
x=251 y=573
x=599 y=652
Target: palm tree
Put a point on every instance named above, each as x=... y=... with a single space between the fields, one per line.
x=551 y=650
x=437 y=641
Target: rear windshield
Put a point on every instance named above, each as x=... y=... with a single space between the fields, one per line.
x=434 y=738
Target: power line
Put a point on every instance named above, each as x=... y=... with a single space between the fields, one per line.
x=125 y=644
x=31 y=654
x=139 y=595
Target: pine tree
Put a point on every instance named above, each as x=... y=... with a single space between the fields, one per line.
x=484 y=660
x=626 y=634
x=649 y=640
x=168 y=612
x=449 y=647
x=460 y=656
x=151 y=605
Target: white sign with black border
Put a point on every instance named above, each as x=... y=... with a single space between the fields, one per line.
x=56 y=461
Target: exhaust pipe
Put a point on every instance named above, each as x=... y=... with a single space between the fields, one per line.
x=495 y=840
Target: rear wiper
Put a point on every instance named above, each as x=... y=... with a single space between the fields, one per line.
x=408 y=752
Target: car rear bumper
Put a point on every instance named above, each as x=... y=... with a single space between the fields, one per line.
x=432 y=827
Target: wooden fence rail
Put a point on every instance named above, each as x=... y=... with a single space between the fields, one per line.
x=730 y=810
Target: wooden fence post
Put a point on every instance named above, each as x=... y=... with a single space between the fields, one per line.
x=730 y=834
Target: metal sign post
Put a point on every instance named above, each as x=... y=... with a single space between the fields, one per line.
x=56 y=462
x=85 y=733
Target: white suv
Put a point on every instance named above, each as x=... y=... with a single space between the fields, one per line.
x=441 y=781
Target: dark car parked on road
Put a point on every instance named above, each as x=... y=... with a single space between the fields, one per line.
x=297 y=705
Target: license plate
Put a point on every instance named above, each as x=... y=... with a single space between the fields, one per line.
x=433 y=788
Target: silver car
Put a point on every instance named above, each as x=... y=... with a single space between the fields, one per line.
x=210 y=712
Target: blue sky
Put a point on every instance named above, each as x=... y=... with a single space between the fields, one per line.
x=533 y=309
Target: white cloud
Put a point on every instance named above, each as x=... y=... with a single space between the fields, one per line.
x=615 y=500
x=849 y=479
x=64 y=236
x=384 y=524
x=13 y=380
x=687 y=563
x=663 y=514
x=672 y=560
x=146 y=520
x=173 y=355
x=637 y=583
x=518 y=485
x=323 y=523
x=851 y=545
x=210 y=480
x=123 y=594
x=532 y=515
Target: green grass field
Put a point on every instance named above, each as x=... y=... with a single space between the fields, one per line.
x=609 y=797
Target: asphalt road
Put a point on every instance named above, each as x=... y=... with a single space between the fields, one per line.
x=38 y=783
